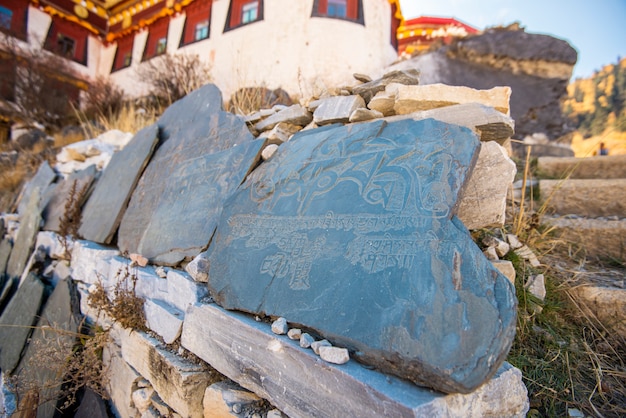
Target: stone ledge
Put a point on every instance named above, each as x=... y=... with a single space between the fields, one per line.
x=585 y=197
x=274 y=368
x=600 y=167
x=598 y=237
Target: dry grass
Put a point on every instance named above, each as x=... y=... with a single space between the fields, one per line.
x=567 y=356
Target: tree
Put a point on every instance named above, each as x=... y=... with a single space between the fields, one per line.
x=173 y=76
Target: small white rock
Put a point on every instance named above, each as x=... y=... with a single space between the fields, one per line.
x=294 y=333
x=490 y=253
x=280 y=326
x=317 y=344
x=268 y=151
x=335 y=355
x=306 y=340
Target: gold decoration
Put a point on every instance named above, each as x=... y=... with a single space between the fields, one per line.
x=81 y=11
x=128 y=20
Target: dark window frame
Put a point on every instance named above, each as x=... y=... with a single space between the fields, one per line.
x=234 y=19
x=320 y=9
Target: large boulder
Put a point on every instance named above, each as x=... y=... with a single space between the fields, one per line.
x=349 y=231
x=536 y=67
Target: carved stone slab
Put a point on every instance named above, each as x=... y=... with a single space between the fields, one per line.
x=348 y=231
x=103 y=211
x=27 y=234
x=176 y=205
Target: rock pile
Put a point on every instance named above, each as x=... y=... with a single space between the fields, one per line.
x=536 y=67
x=353 y=233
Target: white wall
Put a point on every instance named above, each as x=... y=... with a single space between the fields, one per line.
x=287 y=49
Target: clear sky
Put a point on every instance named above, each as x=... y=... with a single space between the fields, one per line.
x=595 y=28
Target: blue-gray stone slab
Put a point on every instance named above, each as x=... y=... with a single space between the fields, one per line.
x=40 y=181
x=30 y=223
x=57 y=197
x=348 y=231
x=173 y=216
x=103 y=211
x=56 y=331
x=17 y=321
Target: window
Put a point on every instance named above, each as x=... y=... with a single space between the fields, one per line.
x=65 y=46
x=243 y=12
x=123 y=53
x=6 y=16
x=156 y=43
x=161 y=46
x=337 y=8
x=351 y=10
x=249 y=12
x=202 y=30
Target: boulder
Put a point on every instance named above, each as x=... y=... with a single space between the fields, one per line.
x=374 y=201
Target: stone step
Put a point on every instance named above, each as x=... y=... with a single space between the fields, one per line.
x=600 y=167
x=590 y=198
x=597 y=237
x=300 y=384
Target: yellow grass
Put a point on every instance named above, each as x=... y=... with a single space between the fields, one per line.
x=613 y=140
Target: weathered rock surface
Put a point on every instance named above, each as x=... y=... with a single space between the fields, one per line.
x=25 y=239
x=536 y=67
x=606 y=303
x=16 y=321
x=599 y=167
x=484 y=198
x=173 y=210
x=103 y=211
x=42 y=179
x=374 y=202
x=370 y=89
x=57 y=197
x=411 y=99
x=55 y=331
x=293 y=115
x=227 y=399
x=272 y=367
x=337 y=109
x=585 y=197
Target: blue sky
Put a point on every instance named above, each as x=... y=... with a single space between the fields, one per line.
x=596 y=28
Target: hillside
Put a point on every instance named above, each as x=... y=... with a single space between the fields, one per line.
x=597 y=107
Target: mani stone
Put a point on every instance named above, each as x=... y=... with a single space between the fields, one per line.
x=348 y=231
x=103 y=211
x=60 y=196
x=17 y=320
x=176 y=205
x=45 y=175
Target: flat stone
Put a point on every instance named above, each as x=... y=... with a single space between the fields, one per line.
x=363 y=115
x=268 y=151
x=606 y=303
x=5 y=251
x=16 y=321
x=280 y=133
x=50 y=242
x=316 y=345
x=527 y=254
x=121 y=388
x=222 y=398
x=294 y=115
x=363 y=78
x=91 y=406
x=25 y=239
x=55 y=330
x=599 y=167
x=180 y=383
x=536 y=285
x=383 y=102
x=370 y=89
x=337 y=109
x=183 y=290
x=350 y=390
x=411 y=99
x=103 y=211
x=90 y=261
x=58 y=197
x=591 y=198
x=487 y=122
x=40 y=181
x=501 y=247
x=163 y=319
x=483 y=203
x=198 y=268
x=373 y=201
x=177 y=202
x=335 y=355
x=506 y=268
x=596 y=237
